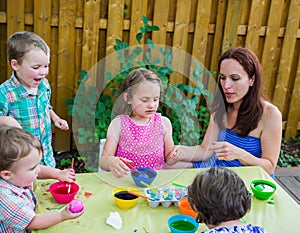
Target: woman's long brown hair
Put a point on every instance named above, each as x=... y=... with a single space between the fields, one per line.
x=251 y=109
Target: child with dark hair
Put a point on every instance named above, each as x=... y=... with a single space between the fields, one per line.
x=20 y=155
x=221 y=199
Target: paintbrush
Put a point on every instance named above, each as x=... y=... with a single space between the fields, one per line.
x=139 y=195
x=129 y=165
x=72 y=165
x=149 y=186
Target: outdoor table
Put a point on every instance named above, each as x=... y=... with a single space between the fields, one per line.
x=96 y=194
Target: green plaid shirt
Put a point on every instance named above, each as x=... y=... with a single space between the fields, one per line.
x=31 y=111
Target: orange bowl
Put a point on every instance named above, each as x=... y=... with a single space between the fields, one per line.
x=185 y=207
x=59 y=191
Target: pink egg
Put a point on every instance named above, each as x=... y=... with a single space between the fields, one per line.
x=76 y=206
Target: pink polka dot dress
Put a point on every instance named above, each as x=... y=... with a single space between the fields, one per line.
x=142 y=144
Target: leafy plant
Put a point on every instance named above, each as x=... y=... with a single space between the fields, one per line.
x=290 y=153
x=184 y=104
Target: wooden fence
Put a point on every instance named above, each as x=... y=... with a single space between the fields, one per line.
x=82 y=32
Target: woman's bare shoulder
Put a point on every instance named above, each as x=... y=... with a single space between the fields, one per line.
x=270 y=110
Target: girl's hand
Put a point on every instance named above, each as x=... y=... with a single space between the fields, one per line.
x=117 y=167
x=66 y=175
x=226 y=151
x=61 y=124
x=176 y=153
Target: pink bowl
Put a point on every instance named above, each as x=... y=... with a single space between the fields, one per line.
x=59 y=191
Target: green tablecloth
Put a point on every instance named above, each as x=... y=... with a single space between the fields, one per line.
x=96 y=194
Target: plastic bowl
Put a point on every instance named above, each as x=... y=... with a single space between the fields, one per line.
x=185 y=207
x=59 y=191
x=146 y=175
x=262 y=189
x=182 y=223
x=123 y=199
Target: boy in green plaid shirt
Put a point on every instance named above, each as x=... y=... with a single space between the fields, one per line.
x=26 y=95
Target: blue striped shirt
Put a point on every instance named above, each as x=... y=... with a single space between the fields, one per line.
x=248 y=143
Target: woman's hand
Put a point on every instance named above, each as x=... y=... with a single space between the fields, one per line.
x=226 y=151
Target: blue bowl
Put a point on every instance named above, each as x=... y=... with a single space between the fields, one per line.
x=146 y=175
x=182 y=223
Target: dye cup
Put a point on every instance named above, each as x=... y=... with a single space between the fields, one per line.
x=123 y=199
x=262 y=189
x=185 y=207
x=146 y=175
x=182 y=223
x=63 y=192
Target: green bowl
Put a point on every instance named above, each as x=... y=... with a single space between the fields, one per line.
x=262 y=189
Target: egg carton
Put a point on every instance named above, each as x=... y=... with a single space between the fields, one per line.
x=165 y=196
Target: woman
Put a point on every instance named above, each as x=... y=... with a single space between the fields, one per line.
x=245 y=129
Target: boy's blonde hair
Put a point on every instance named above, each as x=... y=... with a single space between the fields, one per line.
x=15 y=143
x=21 y=43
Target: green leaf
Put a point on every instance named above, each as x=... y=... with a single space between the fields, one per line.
x=142 y=64
x=108 y=75
x=83 y=74
x=150 y=44
x=154 y=28
x=165 y=70
x=143 y=30
x=100 y=107
x=153 y=67
x=157 y=60
x=148 y=55
x=139 y=37
x=197 y=91
x=164 y=79
x=178 y=96
x=137 y=51
x=145 y=20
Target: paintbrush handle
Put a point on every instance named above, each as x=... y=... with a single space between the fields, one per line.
x=72 y=163
x=128 y=164
x=139 y=195
x=69 y=188
x=149 y=186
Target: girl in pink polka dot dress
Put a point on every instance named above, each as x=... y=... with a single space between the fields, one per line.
x=138 y=134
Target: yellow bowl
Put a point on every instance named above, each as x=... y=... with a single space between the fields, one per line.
x=123 y=199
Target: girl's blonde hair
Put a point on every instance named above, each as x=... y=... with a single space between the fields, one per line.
x=130 y=83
